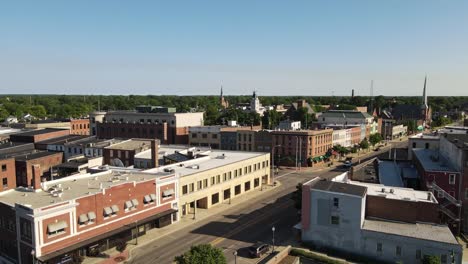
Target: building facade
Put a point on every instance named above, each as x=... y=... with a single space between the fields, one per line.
x=79 y=127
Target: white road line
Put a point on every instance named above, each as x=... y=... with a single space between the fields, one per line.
x=279 y=177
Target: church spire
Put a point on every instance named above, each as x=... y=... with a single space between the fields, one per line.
x=221 y=91
x=424 y=97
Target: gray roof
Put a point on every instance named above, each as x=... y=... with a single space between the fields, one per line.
x=432 y=232
x=39 y=131
x=339 y=187
x=389 y=174
x=431 y=160
x=346 y=113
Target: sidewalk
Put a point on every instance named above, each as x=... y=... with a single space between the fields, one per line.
x=185 y=221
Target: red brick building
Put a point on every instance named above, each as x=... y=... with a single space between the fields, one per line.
x=45 y=160
x=309 y=144
x=39 y=135
x=7 y=174
x=79 y=126
x=84 y=215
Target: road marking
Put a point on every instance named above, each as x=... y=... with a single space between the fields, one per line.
x=248 y=223
x=279 y=177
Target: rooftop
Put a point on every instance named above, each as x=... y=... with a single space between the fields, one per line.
x=166 y=150
x=10 y=144
x=426 y=136
x=429 y=232
x=62 y=140
x=431 y=160
x=460 y=140
x=34 y=155
x=39 y=131
x=390 y=174
x=338 y=187
x=303 y=131
x=72 y=187
x=346 y=114
x=131 y=144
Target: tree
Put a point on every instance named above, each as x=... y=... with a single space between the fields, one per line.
x=297 y=196
x=375 y=138
x=364 y=144
x=431 y=259
x=202 y=254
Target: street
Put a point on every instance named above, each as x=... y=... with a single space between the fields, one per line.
x=240 y=226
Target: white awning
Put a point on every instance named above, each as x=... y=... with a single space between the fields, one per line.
x=91 y=215
x=128 y=205
x=147 y=199
x=52 y=228
x=135 y=202
x=83 y=219
x=169 y=192
x=107 y=211
x=153 y=197
x=115 y=208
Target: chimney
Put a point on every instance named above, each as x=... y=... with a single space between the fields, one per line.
x=154 y=153
x=352 y=93
x=36 y=179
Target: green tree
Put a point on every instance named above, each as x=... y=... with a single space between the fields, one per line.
x=202 y=254
x=364 y=144
x=375 y=139
x=431 y=259
x=297 y=196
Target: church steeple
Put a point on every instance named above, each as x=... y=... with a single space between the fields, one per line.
x=221 y=91
x=424 y=97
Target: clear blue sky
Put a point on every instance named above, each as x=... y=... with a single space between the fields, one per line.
x=193 y=47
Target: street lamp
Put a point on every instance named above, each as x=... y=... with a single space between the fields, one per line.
x=33 y=253
x=235 y=256
x=273 y=161
x=273 y=230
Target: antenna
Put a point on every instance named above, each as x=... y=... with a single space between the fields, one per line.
x=371 y=110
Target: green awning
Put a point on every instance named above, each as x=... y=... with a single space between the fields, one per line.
x=420 y=128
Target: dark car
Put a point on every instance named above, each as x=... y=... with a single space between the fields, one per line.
x=258 y=250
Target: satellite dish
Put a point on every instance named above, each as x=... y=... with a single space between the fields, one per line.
x=117 y=163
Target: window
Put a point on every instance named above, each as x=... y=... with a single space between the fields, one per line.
x=452 y=179
x=213 y=180
x=379 y=247
x=398 y=250
x=218 y=178
x=199 y=185
x=194 y=135
x=25 y=230
x=150 y=198
x=414 y=144
x=168 y=193
x=336 y=202
x=5 y=182
x=4 y=167
x=204 y=135
x=214 y=136
x=192 y=187
x=56 y=228
x=335 y=220
x=427 y=145
x=418 y=254
x=205 y=183
x=440 y=194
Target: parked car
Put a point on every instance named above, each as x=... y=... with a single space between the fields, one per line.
x=348 y=163
x=258 y=250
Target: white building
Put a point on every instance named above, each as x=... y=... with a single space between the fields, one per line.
x=289 y=125
x=337 y=216
x=422 y=141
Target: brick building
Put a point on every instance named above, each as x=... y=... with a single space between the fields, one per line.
x=79 y=126
x=311 y=146
x=125 y=151
x=39 y=135
x=82 y=215
x=210 y=136
x=149 y=122
x=25 y=173
x=7 y=174
x=254 y=140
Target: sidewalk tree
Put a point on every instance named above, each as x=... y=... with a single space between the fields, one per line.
x=375 y=139
x=364 y=144
x=431 y=259
x=202 y=254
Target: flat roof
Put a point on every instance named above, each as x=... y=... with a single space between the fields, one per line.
x=39 y=131
x=72 y=187
x=8 y=130
x=425 y=136
x=396 y=193
x=431 y=160
x=131 y=144
x=431 y=232
x=211 y=159
x=62 y=140
x=389 y=174
x=11 y=144
x=34 y=155
x=338 y=187
x=166 y=150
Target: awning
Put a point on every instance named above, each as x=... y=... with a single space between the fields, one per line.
x=169 y=192
x=115 y=208
x=147 y=199
x=91 y=215
x=128 y=205
x=83 y=219
x=153 y=197
x=65 y=250
x=52 y=228
x=135 y=202
x=107 y=211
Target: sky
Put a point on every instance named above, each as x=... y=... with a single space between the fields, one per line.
x=311 y=48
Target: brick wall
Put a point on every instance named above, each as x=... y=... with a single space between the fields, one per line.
x=24 y=169
x=135 y=130
x=7 y=174
x=79 y=126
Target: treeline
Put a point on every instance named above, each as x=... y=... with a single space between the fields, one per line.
x=65 y=106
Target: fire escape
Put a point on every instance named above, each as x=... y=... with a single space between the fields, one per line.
x=446 y=202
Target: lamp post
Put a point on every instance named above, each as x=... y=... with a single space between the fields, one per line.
x=273 y=161
x=33 y=253
x=235 y=256
x=273 y=230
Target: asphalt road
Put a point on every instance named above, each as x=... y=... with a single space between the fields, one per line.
x=240 y=226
